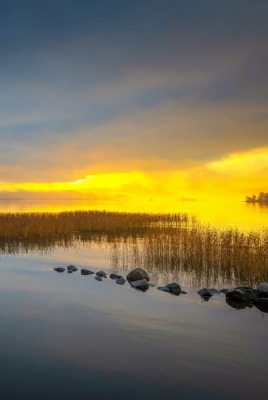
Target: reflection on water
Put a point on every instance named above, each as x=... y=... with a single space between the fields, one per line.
x=192 y=257
x=67 y=336
x=169 y=245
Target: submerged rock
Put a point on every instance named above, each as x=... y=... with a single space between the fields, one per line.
x=115 y=276
x=101 y=274
x=239 y=305
x=71 y=268
x=205 y=293
x=137 y=274
x=174 y=288
x=85 y=271
x=98 y=278
x=183 y=292
x=59 y=269
x=120 y=281
x=224 y=291
x=163 y=289
x=261 y=304
x=140 y=284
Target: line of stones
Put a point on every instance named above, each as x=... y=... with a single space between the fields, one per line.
x=239 y=297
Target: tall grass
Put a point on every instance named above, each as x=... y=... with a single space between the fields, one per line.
x=158 y=242
x=24 y=225
x=206 y=254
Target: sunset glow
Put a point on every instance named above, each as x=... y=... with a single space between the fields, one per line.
x=134 y=199
x=198 y=181
x=100 y=113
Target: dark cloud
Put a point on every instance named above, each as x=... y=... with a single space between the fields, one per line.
x=42 y=40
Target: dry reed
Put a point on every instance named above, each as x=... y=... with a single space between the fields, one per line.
x=158 y=242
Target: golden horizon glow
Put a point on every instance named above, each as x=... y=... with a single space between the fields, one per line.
x=249 y=169
x=247 y=162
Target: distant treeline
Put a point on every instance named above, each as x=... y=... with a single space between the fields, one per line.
x=261 y=198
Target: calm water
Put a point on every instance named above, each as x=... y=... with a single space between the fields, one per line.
x=219 y=214
x=69 y=336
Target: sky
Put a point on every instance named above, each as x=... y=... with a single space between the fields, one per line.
x=120 y=99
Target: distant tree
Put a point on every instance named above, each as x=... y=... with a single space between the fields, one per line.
x=248 y=199
x=262 y=198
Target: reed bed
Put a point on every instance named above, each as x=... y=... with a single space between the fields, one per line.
x=24 y=225
x=205 y=254
x=161 y=243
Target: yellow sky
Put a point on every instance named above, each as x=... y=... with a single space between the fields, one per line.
x=237 y=175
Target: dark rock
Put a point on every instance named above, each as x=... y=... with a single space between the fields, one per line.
x=115 y=276
x=263 y=301
x=183 y=292
x=71 y=268
x=98 y=278
x=85 y=271
x=237 y=295
x=120 y=281
x=152 y=285
x=163 y=289
x=239 y=305
x=137 y=274
x=224 y=291
x=140 y=284
x=249 y=292
x=263 y=295
x=101 y=274
x=174 y=288
x=205 y=293
x=261 y=304
x=59 y=269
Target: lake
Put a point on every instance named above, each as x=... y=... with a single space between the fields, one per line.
x=219 y=214
x=70 y=336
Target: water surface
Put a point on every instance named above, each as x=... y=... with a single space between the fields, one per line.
x=219 y=214
x=69 y=336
